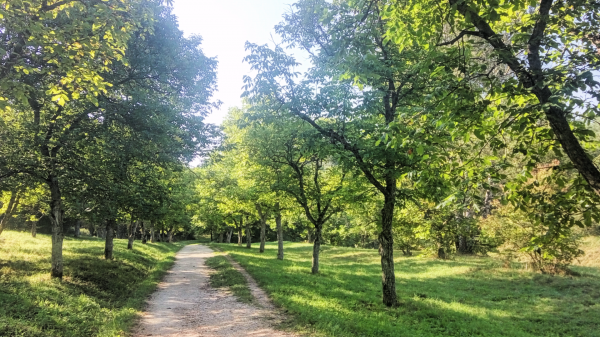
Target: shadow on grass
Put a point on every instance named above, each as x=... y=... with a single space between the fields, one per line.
x=464 y=297
x=95 y=297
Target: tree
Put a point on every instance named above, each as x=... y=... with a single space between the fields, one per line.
x=303 y=167
x=559 y=39
x=361 y=90
x=99 y=104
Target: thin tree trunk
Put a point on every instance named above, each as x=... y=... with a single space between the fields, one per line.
x=144 y=230
x=316 y=249
x=14 y=200
x=34 y=228
x=152 y=232
x=386 y=248
x=170 y=235
x=248 y=235
x=132 y=230
x=78 y=228
x=240 y=231
x=108 y=245
x=263 y=227
x=279 y=232
x=308 y=238
x=56 y=217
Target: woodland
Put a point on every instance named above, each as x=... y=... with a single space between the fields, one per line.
x=422 y=134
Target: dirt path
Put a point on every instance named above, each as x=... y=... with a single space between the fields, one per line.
x=185 y=306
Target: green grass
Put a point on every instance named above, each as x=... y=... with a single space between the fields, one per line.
x=95 y=298
x=226 y=276
x=468 y=296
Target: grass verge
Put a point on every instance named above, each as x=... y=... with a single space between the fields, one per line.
x=226 y=276
x=95 y=298
x=467 y=296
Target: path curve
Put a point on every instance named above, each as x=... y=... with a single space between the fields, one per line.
x=186 y=306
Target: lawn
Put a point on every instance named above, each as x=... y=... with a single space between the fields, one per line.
x=95 y=298
x=467 y=296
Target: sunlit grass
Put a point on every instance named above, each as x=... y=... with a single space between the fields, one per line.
x=95 y=298
x=226 y=276
x=467 y=296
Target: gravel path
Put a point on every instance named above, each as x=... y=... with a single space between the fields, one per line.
x=186 y=306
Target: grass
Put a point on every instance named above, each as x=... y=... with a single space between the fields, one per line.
x=467 y=296
x=226 y=276
x=95 y=298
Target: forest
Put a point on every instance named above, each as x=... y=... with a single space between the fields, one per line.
x=424 y=141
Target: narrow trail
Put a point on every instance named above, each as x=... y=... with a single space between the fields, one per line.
x=186 y=306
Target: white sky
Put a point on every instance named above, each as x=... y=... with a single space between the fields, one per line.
x=225 y=26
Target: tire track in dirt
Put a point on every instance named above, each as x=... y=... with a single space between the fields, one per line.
x=186 y=306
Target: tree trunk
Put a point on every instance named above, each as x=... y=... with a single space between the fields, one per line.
x=170 y=235
x=316 y=249
x=221 y=237
x=229 y=234
x=308 y=238
x=441 y=253
x=78 y=228
x=240 y=233
x=279 y=232
x=56 y=217
x=132 y=230
x=263 y=227
x=108 y=245
x=248 y=235
x=152 y=231
x=386 y=247
x=144 y=229
x=9 y=211
x=33 y=228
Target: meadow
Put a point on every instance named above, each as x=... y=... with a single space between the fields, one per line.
x=464 y=296
x=95 y=298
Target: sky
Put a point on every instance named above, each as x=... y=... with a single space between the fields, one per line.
x=225 y=26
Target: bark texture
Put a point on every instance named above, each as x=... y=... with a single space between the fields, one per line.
x=108 y=243
x=386 y=250
x=56 y=218
x=132 y=230
x=316 y=249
